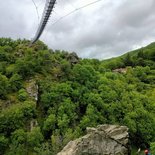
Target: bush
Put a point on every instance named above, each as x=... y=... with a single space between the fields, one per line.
x=22 y=95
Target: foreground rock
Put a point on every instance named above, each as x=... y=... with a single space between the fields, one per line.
x=103 y=140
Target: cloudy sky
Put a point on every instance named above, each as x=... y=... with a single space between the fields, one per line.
x=106 y=29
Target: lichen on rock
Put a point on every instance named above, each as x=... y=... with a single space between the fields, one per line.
x=32 y=89
x=103 y=140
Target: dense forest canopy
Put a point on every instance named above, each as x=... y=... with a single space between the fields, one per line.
x=48 y=98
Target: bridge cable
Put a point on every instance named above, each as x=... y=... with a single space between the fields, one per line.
x=36 y=10
x=77 y=9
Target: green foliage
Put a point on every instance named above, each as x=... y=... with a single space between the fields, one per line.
x=34 y=138
x=16 y=116
x=71 y=94
x=4 y=84
x=18 y=142
x=44 y=149
x=3 y=143
x=49 y=123
x=18 y=137
x=91 y=118
x=128 y=60
x=22 y=95
x=152 y=146
x=84 y=74
x=15 y=82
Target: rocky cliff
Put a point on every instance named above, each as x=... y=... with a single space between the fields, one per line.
x=103 y=140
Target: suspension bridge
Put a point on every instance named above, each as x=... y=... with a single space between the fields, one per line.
x=46 y=14
x=45 y=17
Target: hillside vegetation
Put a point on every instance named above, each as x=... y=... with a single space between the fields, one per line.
x=48 y=98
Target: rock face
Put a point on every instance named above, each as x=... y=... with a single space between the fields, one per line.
x=73 y=58
x=103 y=140
x=32 y=89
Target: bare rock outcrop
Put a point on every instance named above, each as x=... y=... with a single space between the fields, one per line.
x=32 y=89
x=103 y=140
x=73 y=58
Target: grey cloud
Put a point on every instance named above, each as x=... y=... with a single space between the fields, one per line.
x=103 y=30
x=134 y=13
x=18 y=19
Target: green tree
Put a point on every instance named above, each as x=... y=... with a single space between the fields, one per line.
x=50 y=123
x=152 y=146
x=16 y=117
x=15 y=82
x=128 y=61
x=4 y=84
x=3 y=143
x=90 y=119
x=34 y=138
x=22 y=95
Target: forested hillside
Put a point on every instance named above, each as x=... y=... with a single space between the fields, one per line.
x=48 y=98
